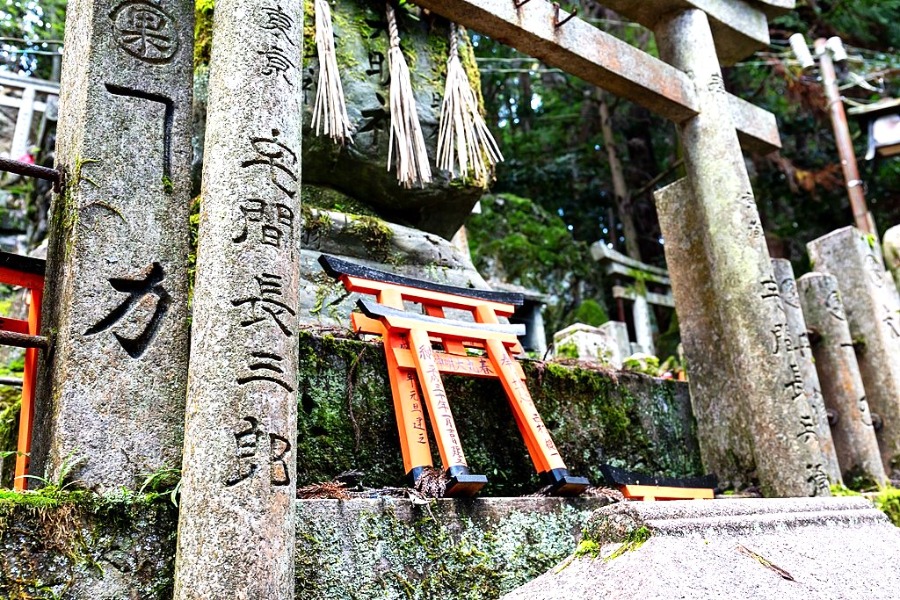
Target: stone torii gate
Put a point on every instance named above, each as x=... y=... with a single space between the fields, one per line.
x=751 y=410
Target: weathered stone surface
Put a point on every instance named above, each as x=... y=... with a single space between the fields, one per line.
x=739 y=28
x=842 y=386
x=607 y=344
x=84 y=547
x=346 y=420
x=236 y=527
x=116 y=303
x=815 y=416
x=892 y=253
x=92 y=548
x=743 y=386
x=873 y=314
x=443 y=549
x=819 y=548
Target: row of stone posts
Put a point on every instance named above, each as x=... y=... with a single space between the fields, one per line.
x=844 y=325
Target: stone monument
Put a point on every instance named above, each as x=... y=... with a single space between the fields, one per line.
x=112 y=394
x=749 y=399
x=842 y=387
x=798 y=337
x=873 y=314
x=236 y=526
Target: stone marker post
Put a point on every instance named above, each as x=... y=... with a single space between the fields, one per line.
x=236 y=527
x=803 y=357
x=112 y=387
x=745 y=389
x=842 y=386
x=891 y=244
x=873 y=313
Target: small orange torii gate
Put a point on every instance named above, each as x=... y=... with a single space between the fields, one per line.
x=413 y=364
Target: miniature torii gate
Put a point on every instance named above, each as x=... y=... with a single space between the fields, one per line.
x=745 y=394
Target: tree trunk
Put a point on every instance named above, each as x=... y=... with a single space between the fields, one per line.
x=620 y=188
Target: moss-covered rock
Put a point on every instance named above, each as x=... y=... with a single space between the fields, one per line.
x=57 y=545
x=346 y=420
x=447 y=549
x=359 y=171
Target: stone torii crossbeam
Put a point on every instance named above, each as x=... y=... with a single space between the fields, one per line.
x=748 y=401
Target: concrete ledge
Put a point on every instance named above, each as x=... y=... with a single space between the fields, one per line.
x=805 y=548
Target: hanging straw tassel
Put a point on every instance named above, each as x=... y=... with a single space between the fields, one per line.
x=464 y=141
x=407 y=144
x=330 y=110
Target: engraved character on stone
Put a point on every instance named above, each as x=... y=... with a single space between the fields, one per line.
x=247 y=442
x=267 y=304
x=278 y=22
x=139 y=290
x=834 y=306
x=280 y=159
x=279 y=448
x=277 y=62
x=145 y=31
x=865 y=414
x=890 y=320
x=817 y=479
x=265 y=367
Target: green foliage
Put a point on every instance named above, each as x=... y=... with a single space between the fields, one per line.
x=203 y=21
x=634 y=540
x=642 y=363
x=591 y=313
x=162 y=483
x=520 y=242
x=567 y=350
x=194 y=224
x=35 y=29
x=885 y=499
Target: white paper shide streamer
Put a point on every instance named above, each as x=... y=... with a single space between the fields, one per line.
x=330 y=109
x=464 y=142
x=407 y=144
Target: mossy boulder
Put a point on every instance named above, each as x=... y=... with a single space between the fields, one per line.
x=58 y=545
x=346 y=420
x=359 y=170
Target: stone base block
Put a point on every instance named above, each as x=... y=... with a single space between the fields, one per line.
x=780 y=548
x=83 y=547
x=460 y=549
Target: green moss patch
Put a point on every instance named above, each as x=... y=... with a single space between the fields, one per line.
x=346 y=420
x=440 y=550
x=57 y=544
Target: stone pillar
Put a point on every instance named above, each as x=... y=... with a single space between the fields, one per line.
x=236 y=527
x=112 y=388
x=873 y=313
x=744 y=389
x=24 y=119
x=643 y=328
x=814 y=415
x=892 y=253
x=842 y=386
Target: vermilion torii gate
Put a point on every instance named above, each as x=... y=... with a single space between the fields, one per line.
x=749 y=402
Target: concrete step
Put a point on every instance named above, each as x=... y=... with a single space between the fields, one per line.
x=749 y=548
